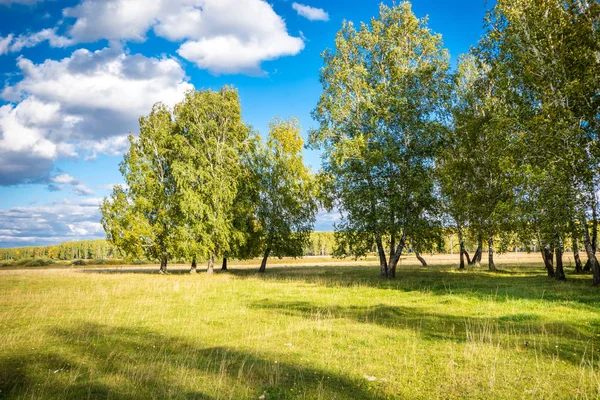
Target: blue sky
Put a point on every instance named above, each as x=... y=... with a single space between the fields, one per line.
x=76 y=74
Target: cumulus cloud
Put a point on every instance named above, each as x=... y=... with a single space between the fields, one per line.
x=27 y=151
x=82 y=190
x=52 y=223
x=113 y=19
x=222 y=36
x=229 y=55
x=311 y=13
x=85 y=103
x=111 y=146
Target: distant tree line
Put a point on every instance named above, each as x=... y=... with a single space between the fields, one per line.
x=319 y=244
x=78 y=250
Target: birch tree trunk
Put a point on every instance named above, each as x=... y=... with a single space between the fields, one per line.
x=383 y=265
x=591 y=254
x=491 y=265
x=461 y=246
x=396 y=257
x=476 y=260
x=578 y=266
x=211 y=264
x=548 y=257
x=560 y=272
x=421 y=259
x=224 y=265
x=163 y=264
x=263 y=264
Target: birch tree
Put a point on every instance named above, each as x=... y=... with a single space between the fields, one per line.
x=211 y=138
x=141 y=219
x=286 y=205
x=380 y=120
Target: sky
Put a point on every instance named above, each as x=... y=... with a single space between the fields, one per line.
x=77 y=74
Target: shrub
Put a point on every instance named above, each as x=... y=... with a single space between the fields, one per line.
x=104 y=261
x=34 y=262
x=7 y=263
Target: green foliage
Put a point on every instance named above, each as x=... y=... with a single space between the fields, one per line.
x=141 y=219
x=182 y=175
x=380 y=118
x=477 y=179
x=208 y=166
x=286 y=206
x=544 y=59
x=321 y=244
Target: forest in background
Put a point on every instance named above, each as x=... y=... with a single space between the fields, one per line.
x=321 y=244
x=101 y=250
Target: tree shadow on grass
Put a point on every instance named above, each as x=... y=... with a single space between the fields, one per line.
x=135 y=270
x=98 y=361
x=521 y=332
x=514 y=283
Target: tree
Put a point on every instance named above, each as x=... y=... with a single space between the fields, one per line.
x=211 y=137
x=141 y=219
x=286 y=205
x=543 y=56
x=380 y=119
x=246 y=236
x=475 y=168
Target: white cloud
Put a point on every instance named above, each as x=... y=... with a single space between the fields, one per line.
x=27 y=150
x=51 y=223
x=87 y=102
x=229 y=55
x=60 y=182
x=86 y=228
x=82 y=190
x=114 y=19
x=21 y=134
x=33 y=39
x=223 y=36
x=63 y=178
x=106 y=80
x=112 y=146
x=312 y=13
x=5 y=44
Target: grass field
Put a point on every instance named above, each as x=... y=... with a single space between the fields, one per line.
x=332 y=330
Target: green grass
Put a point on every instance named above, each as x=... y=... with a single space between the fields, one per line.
x=334 y=331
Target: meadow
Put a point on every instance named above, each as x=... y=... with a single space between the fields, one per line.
x=310 y=329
